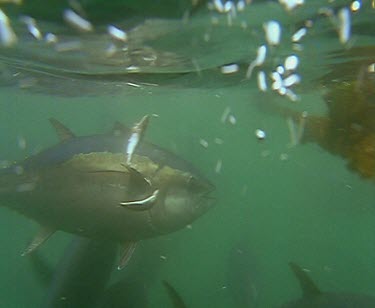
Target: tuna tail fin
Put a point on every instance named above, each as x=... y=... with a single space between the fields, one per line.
x=309 y=288
x=175 y=297
x=62 y=131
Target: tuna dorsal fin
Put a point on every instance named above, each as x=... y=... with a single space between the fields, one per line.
x=309 y=288
x=62 y=131
x=126 y=253
x=43 y=234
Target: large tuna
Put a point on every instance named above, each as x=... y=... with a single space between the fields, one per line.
x=84 y=186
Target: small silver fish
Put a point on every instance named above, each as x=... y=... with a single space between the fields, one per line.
x=135 y=137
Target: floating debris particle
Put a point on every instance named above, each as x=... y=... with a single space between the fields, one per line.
x=291 y=95
x=50 y=38
x=76 y=21
x=241 y=6
x=299 y=34
x=218 y=166
x=232 y=119
x=260 y=134
x=163 y=257
x=277 y=81
x=291 y=80
x=272 y=29
x=21 y=141
x=344 y=25
x=280 y=69
x=117 y=33
x=219 y=141
x=7 y=35
x=225 y=114
x=291 y=63
x=292 y=132
x=284 y=156
x=219 y=6
x=355 y=6
x=31 y=27
x=259 y=60
x=134 y=85
x=262 y=84
x=290 y=5
x=230 y=68
x=17 y=2
x=203 y=143
x=132 y=68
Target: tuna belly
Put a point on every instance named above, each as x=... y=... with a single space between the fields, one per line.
x=85 y=203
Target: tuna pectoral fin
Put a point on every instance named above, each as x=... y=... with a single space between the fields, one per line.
x=143 y=204
x=175 y=297
x=43 y=234
x=126 y=253
x=309 y=289
x=62 y=131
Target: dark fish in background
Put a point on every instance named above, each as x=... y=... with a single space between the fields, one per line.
x=80 y=271
x=81 y=274
x=313 y=297
x=242 y=275
x=78 y=186
x=174 y=296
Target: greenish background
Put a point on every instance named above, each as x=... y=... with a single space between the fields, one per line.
x=308 y=208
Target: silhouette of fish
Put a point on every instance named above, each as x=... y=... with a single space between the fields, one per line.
x=313 y=297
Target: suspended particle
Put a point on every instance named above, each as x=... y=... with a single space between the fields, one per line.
x=258 y=61
x=232 y=119
x=117 y=33
x=262 y=84
x=218 y=166
x=230 y=69
x=77 y=21
x=272 y=29
x=291 y=63
x=290 y=5
x=7 y=35
x=291 y=80
x=260 y=134
x=344 y=25
x=298 y=35
x=203 y=143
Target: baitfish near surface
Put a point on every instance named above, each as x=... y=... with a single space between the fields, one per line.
x=78 y=186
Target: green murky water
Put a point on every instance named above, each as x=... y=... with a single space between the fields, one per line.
x=280 y=202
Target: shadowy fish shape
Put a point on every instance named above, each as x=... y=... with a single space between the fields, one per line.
x=78 y=186
x=243 y=275
x=174 y=296
x=313 y=297
x=81 y=275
